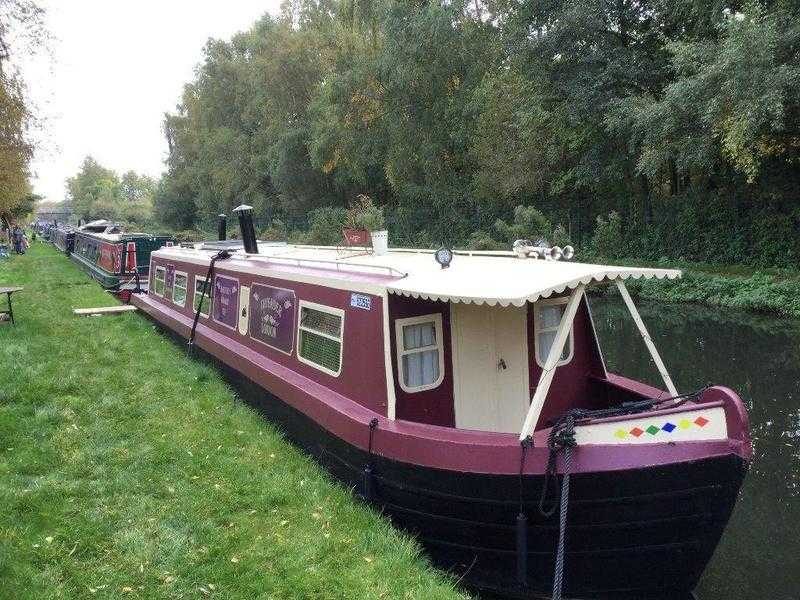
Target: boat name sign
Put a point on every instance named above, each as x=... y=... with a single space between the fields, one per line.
x=272 y=316
x=226 y=301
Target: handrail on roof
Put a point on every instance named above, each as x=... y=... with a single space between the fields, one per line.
x=392 y=272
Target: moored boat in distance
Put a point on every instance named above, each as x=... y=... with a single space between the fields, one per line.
x=470 y=401
x=116 y=258
x=63 y=238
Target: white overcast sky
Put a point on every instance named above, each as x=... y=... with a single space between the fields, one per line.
x=116 y=67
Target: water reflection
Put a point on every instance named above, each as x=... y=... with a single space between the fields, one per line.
x=759 y=357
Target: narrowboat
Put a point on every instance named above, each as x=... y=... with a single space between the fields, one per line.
x=115 y=258
x=63 y=238
x=466 y=396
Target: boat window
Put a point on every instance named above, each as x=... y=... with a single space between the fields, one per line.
x=547 y=316
x=179 y=289
x=199 y=282
x=158 y=282
x=319 y=337
x=420 y=352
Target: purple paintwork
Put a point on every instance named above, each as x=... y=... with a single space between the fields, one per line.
x=435 y=406
x=572 y=385
x=345 y=405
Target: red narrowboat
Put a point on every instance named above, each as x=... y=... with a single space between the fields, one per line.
x=470 y=401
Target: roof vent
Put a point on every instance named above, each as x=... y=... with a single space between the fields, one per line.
x=542 y=249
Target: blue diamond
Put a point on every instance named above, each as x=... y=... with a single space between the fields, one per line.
x=669 y=427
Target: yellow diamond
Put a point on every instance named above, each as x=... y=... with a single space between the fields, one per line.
x=621 y=434
x=684 y=424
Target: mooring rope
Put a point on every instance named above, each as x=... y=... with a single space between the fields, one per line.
x=367 y=473
x=522 y=519
x=221 y=255
x=562 y=439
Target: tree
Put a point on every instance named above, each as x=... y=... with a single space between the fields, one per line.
x=22 y=20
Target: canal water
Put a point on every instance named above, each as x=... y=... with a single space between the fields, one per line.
x=759 y=357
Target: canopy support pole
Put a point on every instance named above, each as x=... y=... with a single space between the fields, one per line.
x=646 y=337
x=549 y=369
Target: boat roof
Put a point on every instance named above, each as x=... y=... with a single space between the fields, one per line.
x=123 y=235
x=473 y=277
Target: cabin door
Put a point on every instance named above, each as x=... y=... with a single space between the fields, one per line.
x=490 y=367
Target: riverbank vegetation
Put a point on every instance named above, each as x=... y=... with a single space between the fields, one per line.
x=681 y=118
x=757 y=292
x=128 y=469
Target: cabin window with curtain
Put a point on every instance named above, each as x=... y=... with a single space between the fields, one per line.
x=420 y=352
x=199 y=284
x=547 y=316
x=158 y=281
x=319 y=337
x=179 y=289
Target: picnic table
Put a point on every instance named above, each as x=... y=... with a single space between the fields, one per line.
x=8 y=291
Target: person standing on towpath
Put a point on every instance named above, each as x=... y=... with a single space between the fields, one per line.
x=18 y=238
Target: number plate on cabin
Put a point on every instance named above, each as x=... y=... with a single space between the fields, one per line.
x=361 y=301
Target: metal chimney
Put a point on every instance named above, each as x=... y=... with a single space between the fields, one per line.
x=246 y=226
x=222 y=228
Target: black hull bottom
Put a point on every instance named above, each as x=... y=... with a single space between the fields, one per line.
x=642 y=534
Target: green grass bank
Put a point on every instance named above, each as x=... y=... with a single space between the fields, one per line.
x=760 y=291
x=129 y=470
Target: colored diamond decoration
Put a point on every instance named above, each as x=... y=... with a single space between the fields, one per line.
x=669 y=427
x=636 y=432
x=652 y=430
x=684 y=424
x=620 y=433
x=701 y=421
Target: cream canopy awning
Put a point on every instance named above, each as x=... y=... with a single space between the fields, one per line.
x=506 y=280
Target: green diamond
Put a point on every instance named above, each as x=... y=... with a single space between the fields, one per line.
x=652 y=430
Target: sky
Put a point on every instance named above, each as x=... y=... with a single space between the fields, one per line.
x=114 y=68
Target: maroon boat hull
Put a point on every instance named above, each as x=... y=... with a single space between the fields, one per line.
x=634 y=531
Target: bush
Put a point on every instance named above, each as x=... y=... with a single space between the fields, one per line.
x=560 y=237
x=363 y=214
x=191 y=235
x=275 y=232
x=482 y=240
x=529 y=224
x=326 y=225
x=607 y=239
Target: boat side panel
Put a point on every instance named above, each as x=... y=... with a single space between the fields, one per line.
x=433 y=406
x=417 y=443
x=363 y=376
x=573 y=384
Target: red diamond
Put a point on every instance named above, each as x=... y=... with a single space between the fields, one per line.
x=636 y=432
x=701 y=421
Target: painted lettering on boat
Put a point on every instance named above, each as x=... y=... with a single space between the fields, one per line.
x=272 y=316
x=226 y=301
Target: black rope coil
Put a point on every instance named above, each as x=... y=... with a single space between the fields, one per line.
x=562 y=439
